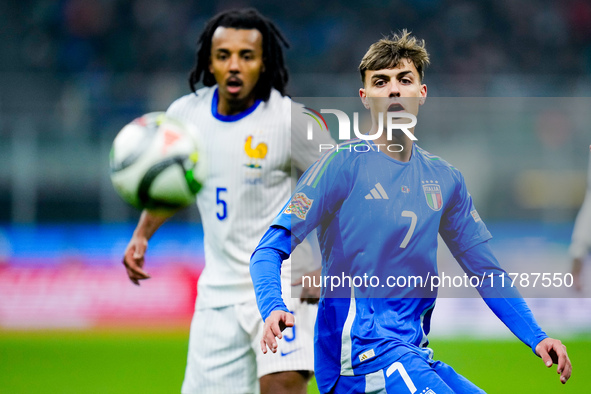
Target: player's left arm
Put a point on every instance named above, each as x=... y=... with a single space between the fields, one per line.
x=508 y=305
x=467 y=238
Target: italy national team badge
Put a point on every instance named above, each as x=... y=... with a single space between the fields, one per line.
x=300 y=205
x=433 y=195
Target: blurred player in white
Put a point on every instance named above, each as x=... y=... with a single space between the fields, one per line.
x=250 y=145
x=581 y=239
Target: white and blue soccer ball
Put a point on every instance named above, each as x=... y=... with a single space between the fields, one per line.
x=156 y=163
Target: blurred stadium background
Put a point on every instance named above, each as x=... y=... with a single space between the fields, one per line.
x=73 y=72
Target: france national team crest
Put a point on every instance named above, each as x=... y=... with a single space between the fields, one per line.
x=300 y=205
x=433 y=195
x=256 y=154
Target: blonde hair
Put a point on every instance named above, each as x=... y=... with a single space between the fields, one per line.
x=389 y=52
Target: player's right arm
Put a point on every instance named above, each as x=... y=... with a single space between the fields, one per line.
x=318 y=195
x=149 y=222
x=265 y=270
x=133 y=259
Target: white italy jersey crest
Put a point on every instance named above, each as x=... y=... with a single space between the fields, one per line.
x=249 y=158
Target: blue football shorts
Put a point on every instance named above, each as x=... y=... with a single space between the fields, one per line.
x=411 y=374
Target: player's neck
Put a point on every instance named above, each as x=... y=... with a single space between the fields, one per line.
x=233 y=107
x=398 y=148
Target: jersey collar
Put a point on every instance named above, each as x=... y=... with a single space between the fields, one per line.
x=230 y=118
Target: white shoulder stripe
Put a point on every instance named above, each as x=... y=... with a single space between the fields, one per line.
x=309 y=180
x=346 y=344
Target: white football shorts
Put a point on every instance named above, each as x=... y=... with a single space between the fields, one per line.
x=225 y=355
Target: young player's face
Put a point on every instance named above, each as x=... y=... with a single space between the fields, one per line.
x=236 y=62
x=393 y=83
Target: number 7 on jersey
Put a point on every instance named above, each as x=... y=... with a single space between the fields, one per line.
x=413 y=224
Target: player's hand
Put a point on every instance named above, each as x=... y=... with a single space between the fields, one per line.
x=310 y=294
x=133 y=259
x=274 y=325
x=552 y=351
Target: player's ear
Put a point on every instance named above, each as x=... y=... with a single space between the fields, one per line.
x=363 y=97
x=423 y=94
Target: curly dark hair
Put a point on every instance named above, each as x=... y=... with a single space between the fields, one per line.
x=275 y=74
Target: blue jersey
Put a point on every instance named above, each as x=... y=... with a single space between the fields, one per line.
x=378 y=217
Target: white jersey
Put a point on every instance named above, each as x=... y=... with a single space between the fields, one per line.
x=581 y=240
x=248 y=180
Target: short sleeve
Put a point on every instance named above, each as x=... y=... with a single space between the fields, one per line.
x=308 y=137
x=179 y=108
x=461 y=226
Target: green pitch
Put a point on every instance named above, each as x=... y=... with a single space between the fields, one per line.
x=131 y=362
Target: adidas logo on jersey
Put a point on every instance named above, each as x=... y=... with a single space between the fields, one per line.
x=367 y=355
x=377 y=193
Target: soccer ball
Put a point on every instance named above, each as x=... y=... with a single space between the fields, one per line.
x=156 y=163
